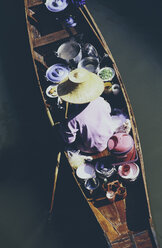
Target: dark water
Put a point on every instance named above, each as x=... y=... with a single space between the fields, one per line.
x=27 y=147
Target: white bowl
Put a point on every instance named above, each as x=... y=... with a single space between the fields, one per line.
x=54 y=95
x=85 y=171
x=132 y=174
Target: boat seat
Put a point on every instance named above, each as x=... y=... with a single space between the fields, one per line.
x=33 y=3
x=53 y=37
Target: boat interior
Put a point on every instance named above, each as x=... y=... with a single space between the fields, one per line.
x=129 y=212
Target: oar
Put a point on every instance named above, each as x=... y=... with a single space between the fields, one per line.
x=54 y=182
x=66 y=111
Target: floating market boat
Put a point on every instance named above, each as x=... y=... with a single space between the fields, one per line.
x=63 y=36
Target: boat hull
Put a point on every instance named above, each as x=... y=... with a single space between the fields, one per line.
x=115 y=219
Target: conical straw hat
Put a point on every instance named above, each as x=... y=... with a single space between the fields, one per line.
x=80 y=87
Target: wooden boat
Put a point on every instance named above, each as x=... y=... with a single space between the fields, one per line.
x=126 y=221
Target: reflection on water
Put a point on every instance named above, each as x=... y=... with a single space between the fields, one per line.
x=27 y=148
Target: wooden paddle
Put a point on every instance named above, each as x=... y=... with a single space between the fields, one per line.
x=102 y=154
x=55 y=181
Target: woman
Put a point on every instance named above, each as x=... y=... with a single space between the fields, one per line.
x=90 y=124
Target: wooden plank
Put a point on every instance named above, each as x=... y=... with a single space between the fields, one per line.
x=124 y=243
x=31 y=13
x=115 y=213
x=139 y=240
x=33 y=31
x=106 y=225
x=102 y=154
x=39 y=58
x=143 y=240
x=110 y=213
x=33 y=3
x=50 y=38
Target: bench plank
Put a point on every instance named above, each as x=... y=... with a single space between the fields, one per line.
x=32 y=3
x=50 y=38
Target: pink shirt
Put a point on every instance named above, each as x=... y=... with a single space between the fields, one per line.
x=91 y=128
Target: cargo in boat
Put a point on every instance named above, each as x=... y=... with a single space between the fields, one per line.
x=63 y=37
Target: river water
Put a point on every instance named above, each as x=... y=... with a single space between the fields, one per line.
x=27 y=148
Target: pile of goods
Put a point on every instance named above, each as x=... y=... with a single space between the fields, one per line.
x=106 y=176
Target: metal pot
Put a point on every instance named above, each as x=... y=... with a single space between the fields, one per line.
x=122 y=147
x=70 y=51
x=90 y=63
x=90 y=50
x=104 y=171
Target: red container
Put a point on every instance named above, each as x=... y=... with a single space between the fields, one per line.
x=122 y=148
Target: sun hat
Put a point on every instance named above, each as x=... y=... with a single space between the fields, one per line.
x=81 y=86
